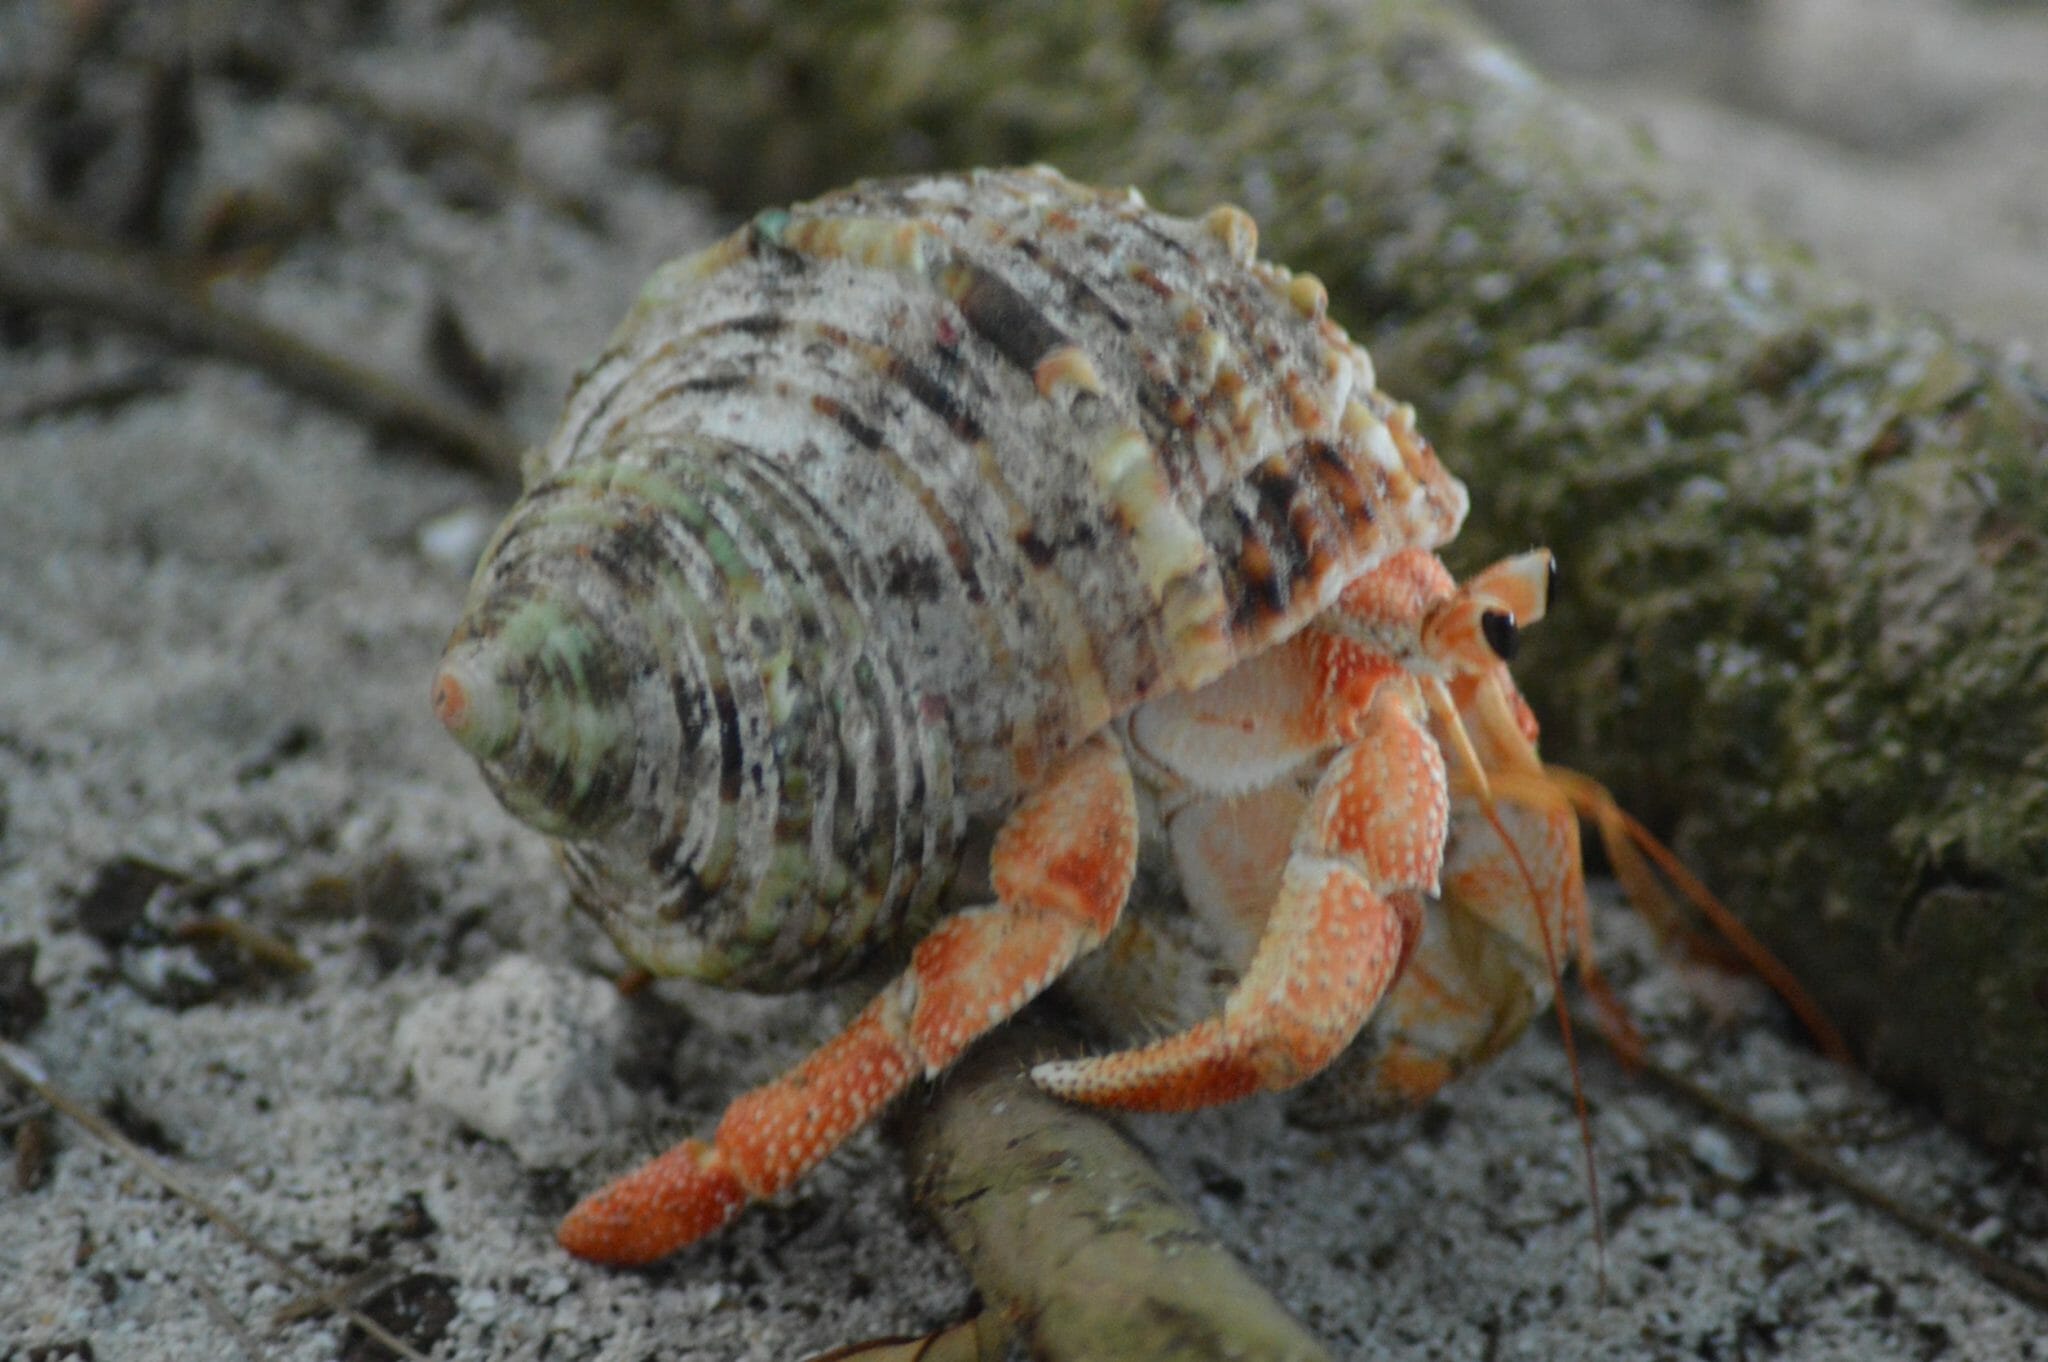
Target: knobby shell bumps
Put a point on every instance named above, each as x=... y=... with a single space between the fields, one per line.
x=884 y=542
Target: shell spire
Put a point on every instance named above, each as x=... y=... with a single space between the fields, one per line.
x=536 y=705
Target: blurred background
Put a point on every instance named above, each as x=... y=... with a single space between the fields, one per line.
x=1905 y=141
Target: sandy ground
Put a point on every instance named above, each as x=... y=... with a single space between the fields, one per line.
x=222 y=602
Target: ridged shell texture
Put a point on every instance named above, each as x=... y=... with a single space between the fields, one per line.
x=874 y=509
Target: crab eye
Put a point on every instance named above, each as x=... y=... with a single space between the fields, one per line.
x=1501 y=634
x=1550 y=585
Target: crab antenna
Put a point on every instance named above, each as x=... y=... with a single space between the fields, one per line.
x=1446 y=712
x=1552 y=962
x=1618 y=828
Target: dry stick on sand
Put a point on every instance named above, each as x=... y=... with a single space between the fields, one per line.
x=125 y=292
x=2017 y=1281
x=1804 y=538
x=27 y=1070
x=1072 y=1234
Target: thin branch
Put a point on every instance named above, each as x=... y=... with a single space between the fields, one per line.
x=426 y=132
x=27 y=1069
x=355 y=1287
x=2023 y=1285
x=266 y=948
x=983 y=1338
x=225 y=1317
x=100 y=392
x=125 y=292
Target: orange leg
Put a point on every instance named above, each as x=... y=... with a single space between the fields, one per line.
x=1062 y=867
x=1479 y=972
x=1371 y=841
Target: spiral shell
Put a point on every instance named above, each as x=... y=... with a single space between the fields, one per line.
x=870 y=512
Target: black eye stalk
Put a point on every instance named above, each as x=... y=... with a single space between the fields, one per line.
x=1501 y=634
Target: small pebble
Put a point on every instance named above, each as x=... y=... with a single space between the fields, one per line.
x=455 y=539
x=480 y=1304
x=525 y=1055
x=1781 y=1107
x=1622 y=1131
x=1721 y=1156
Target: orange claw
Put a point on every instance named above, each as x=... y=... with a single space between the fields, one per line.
x=1309 y=988
x=674 y=1200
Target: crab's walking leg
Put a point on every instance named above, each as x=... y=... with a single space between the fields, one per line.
x=1346 y=914
x=1479 y=971
x=1513 y=904
x=1062 y=868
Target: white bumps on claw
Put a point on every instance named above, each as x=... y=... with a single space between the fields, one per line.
x=525 y=1055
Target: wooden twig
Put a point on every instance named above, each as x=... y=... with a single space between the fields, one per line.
x=28 y=1070
x=1070 y=1232
x=425 y=132
x=225 y=1317
x=2023 y=1285
x=983 y=1338
x=100 y=392
x=126 y=293
x=265 y=948
x=356 y=1287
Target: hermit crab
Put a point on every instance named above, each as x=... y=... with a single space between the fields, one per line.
x=916 y=563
